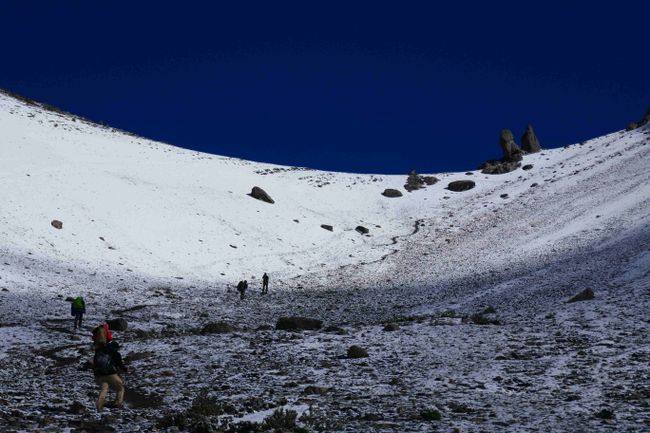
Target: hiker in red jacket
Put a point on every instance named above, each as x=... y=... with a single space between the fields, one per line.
x=102 y=335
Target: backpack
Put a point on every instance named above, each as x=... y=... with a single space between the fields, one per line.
x=79 y=305
x=103 y=363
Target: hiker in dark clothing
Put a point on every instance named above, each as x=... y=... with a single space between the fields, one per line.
x=107 y=362
x=241 y=288
x=265 y=284
x=77 y=309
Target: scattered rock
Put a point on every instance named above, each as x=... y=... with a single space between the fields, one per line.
x=217 y=328
x=431 y=415
x=461 y=185
x=431 y=180
x=362 y=230
x=336 y=330
x=605 y=414
x=357 y=352
x=392 y=193
x=511 y=152
x=57 y=224
x=76 y=408
x=315 y=390
x=295 y=323
x=586 y=295
x=327 y=227
x=137 y=356
x=529 y=141
x=390 y=327
x=527 y=167
x=499 y=167
x=640 y=123
x=480 y=319
x=504 y=196
x=511 y=159
x=117 y=324
x=534 y=185
x=413 y=182
x=260 y=194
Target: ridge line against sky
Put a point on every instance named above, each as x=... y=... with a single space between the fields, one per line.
x=368 y=87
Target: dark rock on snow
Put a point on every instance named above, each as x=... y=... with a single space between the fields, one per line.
x=413 y=182
x=430 y=180
x=217 y=328
x=499 y=167
x=511 y=152
x=461 y=185
x=315 y=390
x=527 y=167
x=529 y=141
x=640 y=123
x=117 y=324
x=260 y=194
x=511 y=159
x=57 y=224
x=586 y=295
x=388 y=192
x=336 y=330
x=357 y=352
x=390 y=327
x=362 y=230
x=327 y=227
x=295 y=323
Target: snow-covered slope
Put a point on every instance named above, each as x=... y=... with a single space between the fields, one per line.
x=157 y=235
x=130 y=205
x=166 y=211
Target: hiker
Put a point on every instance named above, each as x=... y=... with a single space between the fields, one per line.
x=102 y=335
x=107 y=362
x=77 y=309
x=241 y=288
x=265 y=284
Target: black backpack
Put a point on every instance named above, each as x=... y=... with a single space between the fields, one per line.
x=103 y=362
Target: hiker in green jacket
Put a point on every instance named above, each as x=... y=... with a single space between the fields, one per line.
x=77 y=309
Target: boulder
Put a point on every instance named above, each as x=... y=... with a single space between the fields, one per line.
x=336 y=330
x=527 y=167
x=499 y=167
x=391 y=327
x=217 y=328
x=327 y=227
x=430 y=180
x=295 y=323
x=315 y=390
x=57 y=224
x=413 y=182
x=644 y=121
x=586 y=295
x=117 y=324
x=362 y=230
x=357 y=352
x=461 y=185
x=529 y=141
x=389 y=192
x=260 y=194
x=511 y=152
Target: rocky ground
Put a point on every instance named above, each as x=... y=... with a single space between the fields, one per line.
x=517 y=358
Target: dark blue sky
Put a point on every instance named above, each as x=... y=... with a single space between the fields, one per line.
x=352 y=86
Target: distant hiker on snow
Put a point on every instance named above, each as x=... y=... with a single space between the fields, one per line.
x=77 y=309
x=265 y=284
x=107 y=362
x=241 y=288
